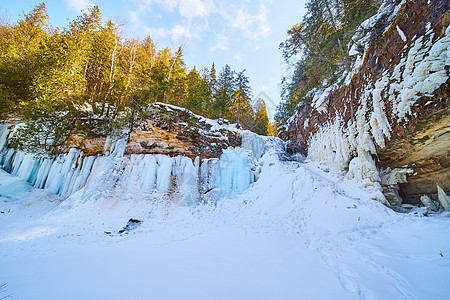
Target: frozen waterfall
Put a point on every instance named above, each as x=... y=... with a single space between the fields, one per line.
x=188 y=182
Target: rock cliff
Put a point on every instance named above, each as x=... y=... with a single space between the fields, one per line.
x=169 y=130
x=393 y=108
x=172 y=130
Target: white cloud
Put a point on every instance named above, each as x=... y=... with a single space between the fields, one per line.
x=220 y=42
x=238 y=58
x=195 y=8
x=254 y=26
x=186 y=8
x=165 y=5
x=190 y=18
x=156 y=33
x=180 y=33
x=79 y=5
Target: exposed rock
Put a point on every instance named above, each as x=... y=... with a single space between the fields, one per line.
x=131 y=224
x=426 y=150
x=402 y=90
x=171 y=130
x=89 y=147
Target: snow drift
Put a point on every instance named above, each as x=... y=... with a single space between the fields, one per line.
x=296 y=232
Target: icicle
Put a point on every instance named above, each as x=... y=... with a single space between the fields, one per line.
x=429 y=203
x=148 y=177
x=444 y=200
x=187 y=181
x=4 y=133
x=42 y=173
x=54 y=179
x=84 y=173
x=235 y=174
x=163 y=172
x=8 y=160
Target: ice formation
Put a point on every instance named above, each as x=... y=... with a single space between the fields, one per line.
x=443 y=198
x=348 y=148
x=429 y=203
x=423 y=71
x=379 y=124
x=330 y=145
x=401 y=33
x=183 y=180
x=62 y=175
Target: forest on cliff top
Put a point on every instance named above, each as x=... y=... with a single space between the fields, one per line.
x=89 y=78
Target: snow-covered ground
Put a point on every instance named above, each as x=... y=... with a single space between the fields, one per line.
x=296 y=233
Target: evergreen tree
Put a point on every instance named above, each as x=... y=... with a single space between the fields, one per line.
x=316 y=48
x=246 y=116
x=196 y=92
x=19 y=59
x=225 y=88
x=243 y=92
x=89 y=80
x=261 y=119
x=210 y=87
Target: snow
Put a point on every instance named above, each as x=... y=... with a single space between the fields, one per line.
x=424 y=72
x=401 y=33
x=216 y=125
x=321 y=96
x=379 y=124
x=347 y=149
x=353 y=50
x=296 y=233
x=243 y=226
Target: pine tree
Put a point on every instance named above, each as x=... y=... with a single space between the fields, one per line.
x=316 y=48
x=210 y=87
x=261 y=119
x=89 y=80
x=196 y=92
x=243 y=92
x=19 y=59
x=225 y=88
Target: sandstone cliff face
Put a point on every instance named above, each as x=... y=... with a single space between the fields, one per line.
x=401 y=93
x=169 y=130
x=426 y=150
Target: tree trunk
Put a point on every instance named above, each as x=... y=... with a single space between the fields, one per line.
x=333 y=23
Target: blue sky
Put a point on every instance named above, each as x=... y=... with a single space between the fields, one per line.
x=244 y=34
